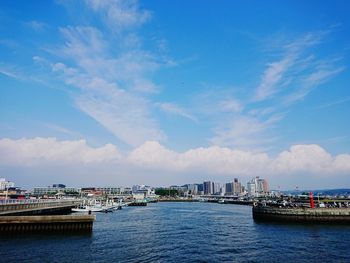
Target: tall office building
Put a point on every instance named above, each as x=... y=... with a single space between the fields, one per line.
x=257 y=187
x=216 y=188
x=208 y=188
x=229 y=188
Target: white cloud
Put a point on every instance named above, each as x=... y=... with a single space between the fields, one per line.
x=211 y=161
x=312 y=158
x=49 y=151
x=309 y=159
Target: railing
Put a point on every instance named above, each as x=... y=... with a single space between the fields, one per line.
x=35 y=201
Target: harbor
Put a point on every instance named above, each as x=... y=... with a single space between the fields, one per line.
x=180 y=232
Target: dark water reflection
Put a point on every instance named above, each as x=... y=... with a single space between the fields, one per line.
x=184 y=232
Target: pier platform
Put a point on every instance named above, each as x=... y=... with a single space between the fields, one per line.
x=53 y=223
x=302 y=215
x=37 y=207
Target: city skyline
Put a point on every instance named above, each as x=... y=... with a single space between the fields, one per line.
x=163 y=93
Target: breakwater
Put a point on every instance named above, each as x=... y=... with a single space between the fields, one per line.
x=55 y=223
x=302 y=215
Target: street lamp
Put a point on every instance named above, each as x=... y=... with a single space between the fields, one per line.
x=6 y=194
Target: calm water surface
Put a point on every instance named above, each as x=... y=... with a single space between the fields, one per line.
x=184 y=232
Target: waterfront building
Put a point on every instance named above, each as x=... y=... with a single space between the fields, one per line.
x=6 y=184
x=142 y=191
x=200 y=189
x=108 y=190
x=190 y=189
x=55 y=189
x=257 y=187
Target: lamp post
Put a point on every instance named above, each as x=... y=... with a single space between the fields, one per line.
x=6 y=194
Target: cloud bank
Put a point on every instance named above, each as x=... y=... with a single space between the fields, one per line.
x=306 y=159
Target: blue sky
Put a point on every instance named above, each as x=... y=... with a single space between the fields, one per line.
x=161 y=92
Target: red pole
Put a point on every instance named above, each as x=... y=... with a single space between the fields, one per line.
x=312 y=204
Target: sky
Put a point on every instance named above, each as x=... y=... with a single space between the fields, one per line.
x=113 y=93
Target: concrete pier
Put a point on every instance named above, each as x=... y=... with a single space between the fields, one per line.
x=37 y=207
x=56 y=223
x=302 y=215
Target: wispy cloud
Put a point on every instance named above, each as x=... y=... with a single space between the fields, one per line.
x=120 y=15
x=37 y=25
x=9 y=43
x=235 y=121
x=310 y=82
x=231 y=105
x=272 y=77
x=176 y=110
x=286 y=80
x=10 y=72
x=245 y=132
x=298 y=71
x=113 y=82
x=333 y=103
x=63 y=130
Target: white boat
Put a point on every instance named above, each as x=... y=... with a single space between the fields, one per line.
x=93 y=206
x=87 y=209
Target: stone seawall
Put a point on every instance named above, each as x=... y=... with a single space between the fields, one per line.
x=303 y=215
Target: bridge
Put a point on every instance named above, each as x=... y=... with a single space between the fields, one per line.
x=37 y=206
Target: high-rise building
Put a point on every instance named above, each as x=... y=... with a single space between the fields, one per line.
x=257 y=187
x=216 y=188
x=233 y=188
x=208 y=188
x=229 y=188
x=237 y=187
x=192 y=189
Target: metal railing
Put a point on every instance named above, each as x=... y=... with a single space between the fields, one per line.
x=35 y=201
